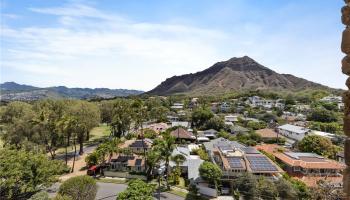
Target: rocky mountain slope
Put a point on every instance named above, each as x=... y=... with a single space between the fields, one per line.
x=10 y=91
x=235 y=74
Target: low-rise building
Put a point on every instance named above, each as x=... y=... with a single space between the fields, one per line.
x=293 y=132
x=308 y=167
x=211 y=133
x=234 y=158
x=182 y=124
x=141 y=146
x=231 y=118
x=158 y=127
x=127 y=163
x=268 y=134
x=177 y=106
x=182 y=134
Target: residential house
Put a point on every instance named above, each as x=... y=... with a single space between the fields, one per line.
x=257 y=101
x=225 y=107
x=307 y=167
x=182 y=134
x=332 y=99
x=231 y=118
x=234 y=158
x=341 y=157
x=293 y=132
x=193 y=103
x=236 y=129
x=158 y=127
x=268 y=134
x=211 y=133
x=190 y=168
x=177 y=106
x=172 y=118
x=330 y=136
x=140 y=146
x=127 y=163
x=182 y=124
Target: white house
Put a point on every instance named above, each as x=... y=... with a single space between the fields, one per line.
x=332 y=99
x=231 y=118
x=293 y=132
x=177 y=106
x=183 y=124
x=324 y=134
x=256 y=101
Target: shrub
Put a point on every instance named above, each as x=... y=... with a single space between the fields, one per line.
x=79 y=188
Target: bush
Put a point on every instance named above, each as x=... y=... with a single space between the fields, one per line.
x=137 y=190
x=79 y=188
x=42 y=195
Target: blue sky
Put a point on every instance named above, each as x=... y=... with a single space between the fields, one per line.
x=136 y=44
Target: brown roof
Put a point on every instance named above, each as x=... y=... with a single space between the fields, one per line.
x=182 y=134
x=267 y=133
x=303 y=162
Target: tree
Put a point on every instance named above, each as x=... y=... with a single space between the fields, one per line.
x=215 y=123
x=153 y=158
x=210 y=172
x=178 y=159
x=317 y=144
x=15 y=116
x=256 y=125
x=247 y=185
x=322 y=115
x=120 y=117
x=137 y=190
x=200 y=116
x=79 y=188
x=42 y=195
x=165 y=147
x=285 y=190
x=326 y=191
x=24 y=173
x=267 y=189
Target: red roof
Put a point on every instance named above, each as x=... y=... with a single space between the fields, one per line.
x=182 y=134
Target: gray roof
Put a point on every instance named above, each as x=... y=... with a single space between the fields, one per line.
x=297 y=155
x=294 y=129
x=222 y=142
x=193 y=168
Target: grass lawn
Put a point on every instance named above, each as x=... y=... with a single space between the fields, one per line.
x=96 y=134
x=111 y=180
x=178 y=193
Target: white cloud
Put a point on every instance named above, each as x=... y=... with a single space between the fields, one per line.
x=91 y=48
x=108 y=52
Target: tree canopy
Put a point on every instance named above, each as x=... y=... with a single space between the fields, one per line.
x=24 y=173
x=79 y=188
x=317 y=144
x=137 y=190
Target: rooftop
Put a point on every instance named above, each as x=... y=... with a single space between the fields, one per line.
x=294 y=129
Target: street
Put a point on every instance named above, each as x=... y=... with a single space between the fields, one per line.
x=109 y=191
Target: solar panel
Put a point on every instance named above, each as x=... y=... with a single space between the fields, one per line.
x=235 y=162
x=260 y=163
x=138 y=162
x=225 y=148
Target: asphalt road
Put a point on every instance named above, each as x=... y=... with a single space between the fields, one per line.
x=109 y=191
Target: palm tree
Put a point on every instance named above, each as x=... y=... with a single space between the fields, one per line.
x=140 y=115
x=153 y=159
x=165 y=147
x=113 y=147
x=178 y=159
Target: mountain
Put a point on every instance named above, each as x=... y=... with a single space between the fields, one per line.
x=234 y=74
x=11 y=91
